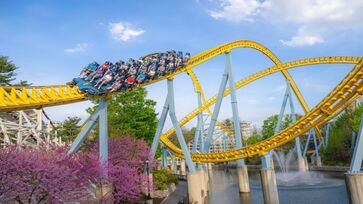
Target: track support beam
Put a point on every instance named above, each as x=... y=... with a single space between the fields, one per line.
x=169 y=107
x=228 y=77
x=164 y=160
x=216 y=110
x=99 y=115
x=288 y=98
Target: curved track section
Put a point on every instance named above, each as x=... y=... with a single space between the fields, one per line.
x=19 y=98
x=13 y=100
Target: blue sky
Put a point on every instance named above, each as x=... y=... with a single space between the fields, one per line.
x=50 y=41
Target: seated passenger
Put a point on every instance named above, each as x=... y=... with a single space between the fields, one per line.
x=96 y=75
x=178 y=61
x=112 y=69
x=125 y=66
x=170 y=67
x=170 y=57
x=106 y=66
x=186 y=57
x=144 y=67
x=129 y=81
x=141 y=77
x=84 y=73
x=132 y=70
x=121 y=72
x=161 y=70
x=151 y=73
x=92 y=67
x=115 y=86
x=105 y=79
x=118 y=65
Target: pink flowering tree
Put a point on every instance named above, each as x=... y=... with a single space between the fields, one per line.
x=52 y=176
x=126 y=165
x=44 y=176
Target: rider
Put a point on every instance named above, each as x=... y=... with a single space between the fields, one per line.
x=89 y=69
x=104 y=80
x=129 y=81
x=115 y=86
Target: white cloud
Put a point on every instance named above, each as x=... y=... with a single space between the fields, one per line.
x=302 y=39
x=80 y=47
x=236 y=10
x=315 y=20
x=124 y=31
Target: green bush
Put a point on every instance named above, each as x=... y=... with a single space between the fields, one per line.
x=162 y=178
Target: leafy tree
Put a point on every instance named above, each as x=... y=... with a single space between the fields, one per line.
x=228 y=123
x=22 y=83
x=69 y=129
x=253 y=139
x=7 y=71
x=269 y=125
x=187 y=133
x=131 y=113
x=339 y=149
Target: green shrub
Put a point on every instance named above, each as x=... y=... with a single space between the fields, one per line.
x=162 y=178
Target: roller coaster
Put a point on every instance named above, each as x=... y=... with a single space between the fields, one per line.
x=346 y=92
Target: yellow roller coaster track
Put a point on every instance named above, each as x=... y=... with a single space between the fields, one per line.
x=19 y=98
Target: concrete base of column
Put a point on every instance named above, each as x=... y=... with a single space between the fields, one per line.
x=194 y=188
x=206 y=177
x=245 y=197
x=203 y=183
x=316 y=160
x=209 y=166
x=183 y=168
x=301 y=165
x=269 y=186
x=354 y=184
x=306 y=163
x=243 y=181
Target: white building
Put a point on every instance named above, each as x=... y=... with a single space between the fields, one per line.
x=246 y=129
